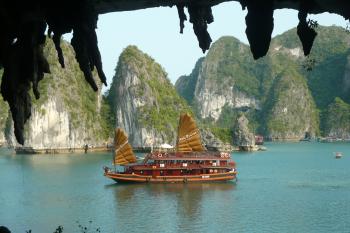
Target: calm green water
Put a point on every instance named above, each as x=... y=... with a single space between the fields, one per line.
x=295 y=187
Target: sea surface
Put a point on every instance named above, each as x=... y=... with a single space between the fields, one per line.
x=291 y=187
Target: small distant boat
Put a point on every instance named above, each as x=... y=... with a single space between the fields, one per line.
x=259 y=140
x=338 y=155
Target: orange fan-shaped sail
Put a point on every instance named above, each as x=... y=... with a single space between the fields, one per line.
x=189 y=138
x=123 y=153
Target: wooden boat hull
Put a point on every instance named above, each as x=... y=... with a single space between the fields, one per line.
x=134 y=178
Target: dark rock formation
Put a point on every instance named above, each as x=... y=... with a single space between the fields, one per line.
x=306 y=32
x=213 y=143
x=4 y=230
x=23 y=26
x=209 y=140
x=259 y=22
x=242 y=137
x=200 y=16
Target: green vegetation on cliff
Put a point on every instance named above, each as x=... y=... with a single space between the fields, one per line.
x=279 y=81
x=229 y=62
x=337 y=119
x=290 y=109
x=330 y=53
x=67 y=89
x=186 y=85
x=107 y=118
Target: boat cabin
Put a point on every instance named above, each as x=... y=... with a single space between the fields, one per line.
x=179 y=164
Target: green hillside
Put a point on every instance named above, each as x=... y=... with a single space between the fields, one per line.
x=277 y=80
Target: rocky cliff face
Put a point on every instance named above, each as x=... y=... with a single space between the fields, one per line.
x=67 y=115
x=291 y=111
x=282 y=93
x=209 y=139
x=185 y=85
x=3 y=116
x=242 y=136
x=144 y=101
x=223 y=78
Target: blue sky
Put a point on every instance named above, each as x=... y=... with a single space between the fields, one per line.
x=156 y=32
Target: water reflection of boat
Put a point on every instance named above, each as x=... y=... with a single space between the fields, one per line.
x=126 y=191
x=173 y=206
x=190 y=162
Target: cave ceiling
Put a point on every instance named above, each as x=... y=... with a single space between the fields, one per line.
x=25 y=26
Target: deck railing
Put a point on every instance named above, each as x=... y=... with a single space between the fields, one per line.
x=190 y=166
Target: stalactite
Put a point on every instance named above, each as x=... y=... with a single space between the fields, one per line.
x=56 y=38
x=84 y=42
x=21 y=51
x=182 y=16
x=24 y=64
x=259 y=22
x=60 y=24
x=200 y=16
x=305 y=32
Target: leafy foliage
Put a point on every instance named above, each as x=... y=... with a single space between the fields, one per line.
x=222 y=133
x=337 y=118
x=290 y=109
x=229 y=61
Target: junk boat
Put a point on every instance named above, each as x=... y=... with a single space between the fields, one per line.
x=189 y=162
